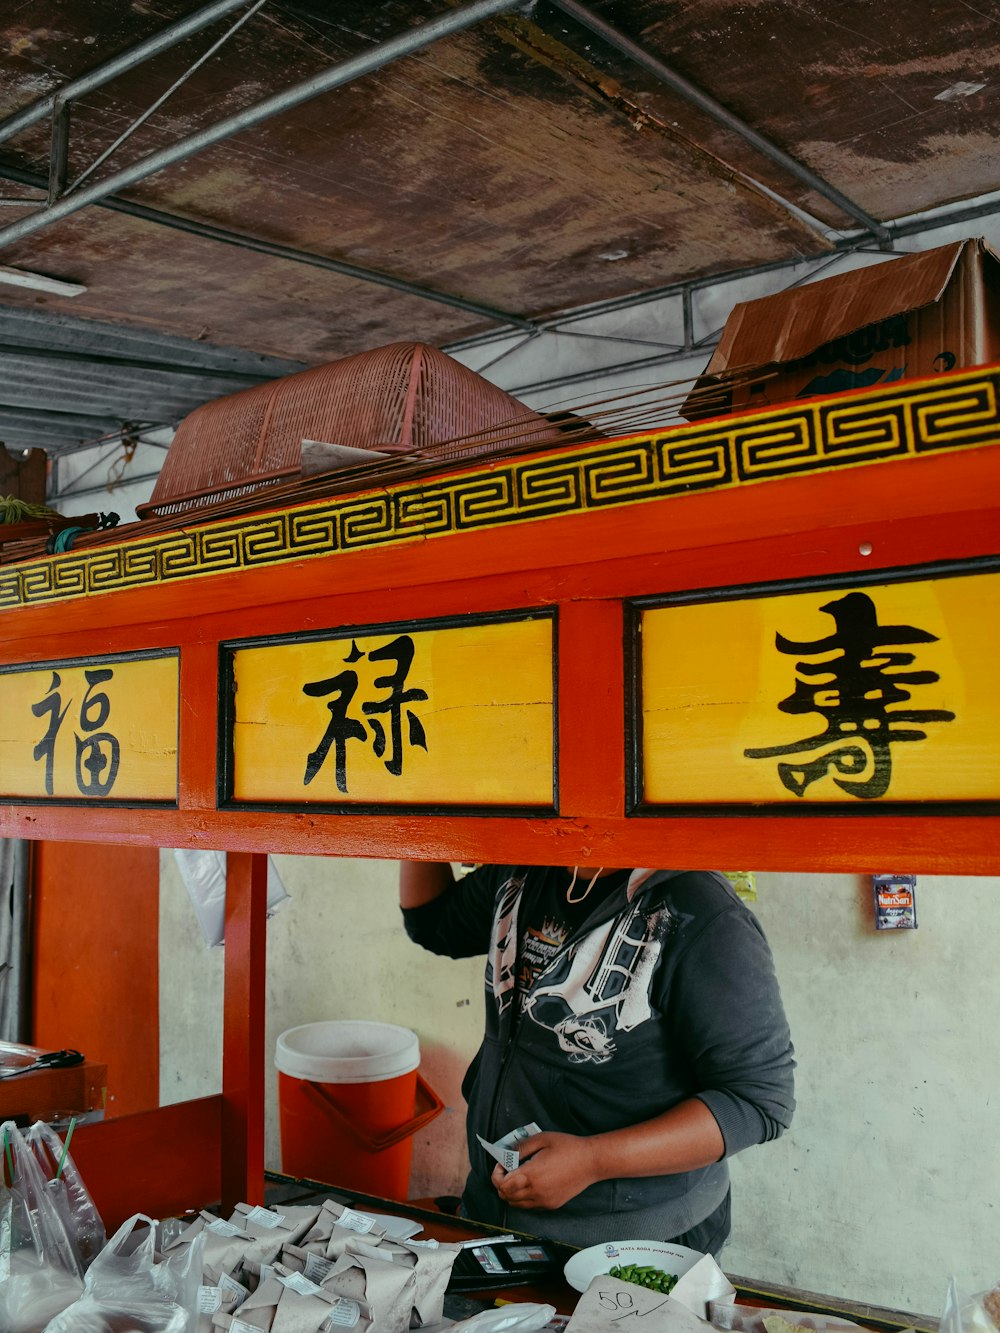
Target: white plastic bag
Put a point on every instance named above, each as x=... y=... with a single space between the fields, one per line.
x=979 y=1313
x=68 y=1194
x=204 y=876
x=517 y=1317
x=40 y=1273
x=129 y=1285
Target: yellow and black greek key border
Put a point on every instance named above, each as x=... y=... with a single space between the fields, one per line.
x=827 y=434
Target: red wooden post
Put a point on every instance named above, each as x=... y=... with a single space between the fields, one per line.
x=243 y=1030
x=591 y=714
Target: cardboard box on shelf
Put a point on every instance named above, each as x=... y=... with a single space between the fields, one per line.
x=906 y=318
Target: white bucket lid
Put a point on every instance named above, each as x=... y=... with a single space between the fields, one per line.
x=347 y=1052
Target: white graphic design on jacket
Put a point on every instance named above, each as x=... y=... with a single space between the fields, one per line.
x=596 y=987
x=501 y=965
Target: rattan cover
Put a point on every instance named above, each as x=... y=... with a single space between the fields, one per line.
x=406 y=396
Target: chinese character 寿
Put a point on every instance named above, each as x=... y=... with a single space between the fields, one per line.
x=854 y=683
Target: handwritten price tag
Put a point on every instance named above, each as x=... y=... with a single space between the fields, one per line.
x=608 y=1304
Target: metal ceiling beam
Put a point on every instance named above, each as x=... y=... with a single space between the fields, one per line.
x=56 y=190
x=683 y=290
x=346 y=71
x=275 y=250
x=722 y=115
x=60 y=431
x=69 y=420
x=120 y=64
x=224 y=236
x=247 y=380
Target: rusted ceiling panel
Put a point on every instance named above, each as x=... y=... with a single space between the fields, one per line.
x=476 y=168
x=150 y=277
x=895 y=104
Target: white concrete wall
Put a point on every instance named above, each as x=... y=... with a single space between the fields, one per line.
x=99 y=479
x=889 y=1180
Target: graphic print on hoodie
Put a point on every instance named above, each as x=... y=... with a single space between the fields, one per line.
x=588 y=991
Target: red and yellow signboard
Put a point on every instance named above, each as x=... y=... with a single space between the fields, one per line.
x=859 y=694
x=104 y=729
x=442 y=714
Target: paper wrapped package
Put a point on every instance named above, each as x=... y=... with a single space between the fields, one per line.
x=608 y=1300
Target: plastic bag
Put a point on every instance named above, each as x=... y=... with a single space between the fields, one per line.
x=128 y=1281
x=971 y=1314
x=204 y=877
x=40 y=1273
x=518 y=1317
x=388 y=1290
x=67 y=1193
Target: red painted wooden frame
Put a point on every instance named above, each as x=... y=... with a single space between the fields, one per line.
x=907 y=513
x=910 y=513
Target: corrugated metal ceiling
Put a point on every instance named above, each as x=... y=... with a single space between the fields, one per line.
x=65 y=380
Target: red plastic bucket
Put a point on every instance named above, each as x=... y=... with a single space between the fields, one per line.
x=350 y=1099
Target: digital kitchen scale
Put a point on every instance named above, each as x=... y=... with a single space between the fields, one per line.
x=506 y=1263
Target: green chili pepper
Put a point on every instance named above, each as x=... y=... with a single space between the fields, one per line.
x=645 y=1275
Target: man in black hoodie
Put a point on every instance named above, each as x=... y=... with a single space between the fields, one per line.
x=635 y=1017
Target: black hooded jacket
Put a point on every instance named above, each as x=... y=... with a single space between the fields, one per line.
x=666 y=991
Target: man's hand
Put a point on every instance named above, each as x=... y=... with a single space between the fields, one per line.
x=553 y=1169
x=557 y=1167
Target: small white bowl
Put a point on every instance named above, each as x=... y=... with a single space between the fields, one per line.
x=585 y=1266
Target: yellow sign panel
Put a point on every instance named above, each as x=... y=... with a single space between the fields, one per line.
x=451 y=715
x=105 y=729
x=855 y=695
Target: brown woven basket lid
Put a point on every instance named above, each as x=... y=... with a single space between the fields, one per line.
x=405 y=396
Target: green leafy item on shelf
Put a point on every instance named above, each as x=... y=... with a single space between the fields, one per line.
x=13 y=510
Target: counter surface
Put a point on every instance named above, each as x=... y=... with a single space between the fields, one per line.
x=556 y=1290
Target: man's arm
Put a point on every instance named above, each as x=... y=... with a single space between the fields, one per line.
x=556 y=1167
x=421 y=882
x=447 y=916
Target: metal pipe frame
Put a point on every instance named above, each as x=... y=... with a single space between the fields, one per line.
x=275 y=250
x=58 y=150
x=346 y=71
x=722 y=115
x=245 y=379
x=120 y=64
x=684 y=289
x=885 y=232
x=154 y=106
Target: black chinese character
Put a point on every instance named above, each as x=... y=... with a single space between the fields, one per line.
x=46 y=747
x=342 y=727
x=853 y=683
x=98 y=750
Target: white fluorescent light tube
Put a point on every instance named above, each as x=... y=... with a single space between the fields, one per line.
x=18 y=277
